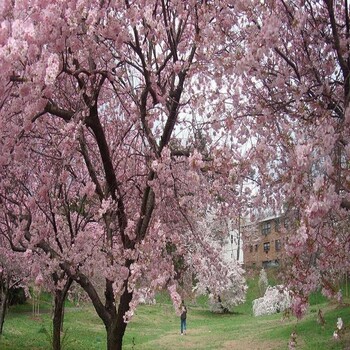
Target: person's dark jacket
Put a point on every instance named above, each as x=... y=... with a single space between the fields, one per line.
x=184 y=314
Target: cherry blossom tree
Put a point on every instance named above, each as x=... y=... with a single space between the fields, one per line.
x=294 y=113
x=27 y=232
x=159 y=110
x=13 y=274
x=231 y=291
x=114 y=122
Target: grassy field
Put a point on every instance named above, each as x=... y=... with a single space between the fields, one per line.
x=157 y=327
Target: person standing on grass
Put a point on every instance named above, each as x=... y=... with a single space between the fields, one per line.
x=183 y=318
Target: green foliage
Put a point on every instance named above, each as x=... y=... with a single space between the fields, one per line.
x=317 y=298
x=17 y=296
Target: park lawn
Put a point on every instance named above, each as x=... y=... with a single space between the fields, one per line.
x=238 y=331
x=157 y=327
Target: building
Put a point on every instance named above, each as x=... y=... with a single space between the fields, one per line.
x=233 y=248
x=227 y=233
x=264 y=241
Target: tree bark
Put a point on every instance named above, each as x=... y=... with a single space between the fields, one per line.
x=57 y=322
x=116 y=326
x=58 y=315
x=3 y=304
x=112 y=341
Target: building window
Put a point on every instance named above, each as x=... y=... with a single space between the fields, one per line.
x=277 y=224
x=231 y=239
x=266 y=246
x=270 y=263
x=278 y=245
x=266 y=263
x=266 y=228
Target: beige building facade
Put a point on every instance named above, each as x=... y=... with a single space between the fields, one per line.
x=264 y=242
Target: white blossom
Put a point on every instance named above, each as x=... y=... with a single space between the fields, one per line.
x=276 y=299
x=339 y=323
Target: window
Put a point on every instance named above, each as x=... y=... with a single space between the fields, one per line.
x=231 y=239
x=278 y=245
x=277 y=224
x=266 y=263
x=270 y=263
x=266 y=228
x=266 y=247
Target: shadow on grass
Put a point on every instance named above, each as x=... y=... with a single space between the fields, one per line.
x=210 y=314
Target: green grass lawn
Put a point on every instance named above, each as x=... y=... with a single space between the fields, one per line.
x=157 y=327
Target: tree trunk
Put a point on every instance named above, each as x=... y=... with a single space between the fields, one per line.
x=113 y=319
x=116 y=328
x=112 y=340
x=58 y=314
x=57 y=321
x=3 y=304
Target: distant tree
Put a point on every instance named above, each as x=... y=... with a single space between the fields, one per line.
x=13 y=274
x=294 y=123
x=230 y=295
x=29 y=223
x=232 y=289
x=17 y=296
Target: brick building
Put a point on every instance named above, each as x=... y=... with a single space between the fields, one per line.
x=263 y=241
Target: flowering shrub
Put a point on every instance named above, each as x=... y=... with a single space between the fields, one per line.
x=276 y=299
x=339 y=330
x=224 y=296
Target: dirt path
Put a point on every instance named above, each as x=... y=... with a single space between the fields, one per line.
x=246 y=344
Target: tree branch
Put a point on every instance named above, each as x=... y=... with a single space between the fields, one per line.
x=59 y=112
